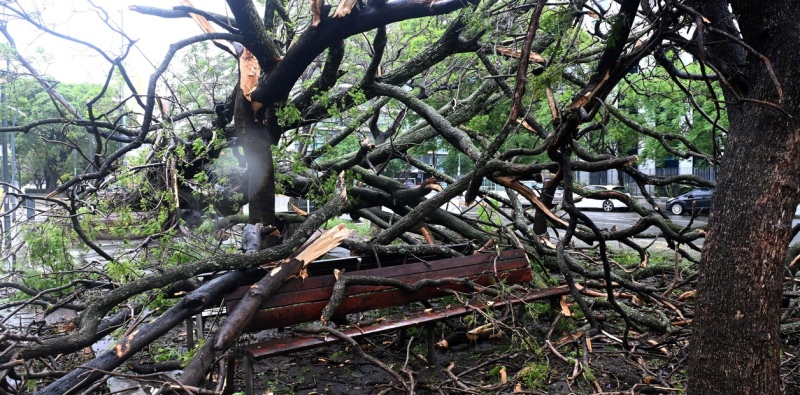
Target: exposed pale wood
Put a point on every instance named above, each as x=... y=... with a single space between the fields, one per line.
x=249 y=71
x=299 y=211
x=516 y=53
x=241 y=317
x=344 y=8
x=486 y=331
x=427 y=234
x=316 y=12
x=528 y=194
x=551 y=102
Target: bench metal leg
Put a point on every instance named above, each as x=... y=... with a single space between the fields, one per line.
x=248 y=374
x=247 y=364
x=199 y=326
x=402 y=338
x=189 y=333
x=431 y=332
x=230 y=373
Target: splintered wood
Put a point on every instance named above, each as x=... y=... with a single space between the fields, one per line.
x=318 y=247
x=515 y=53
x=249 y=71
x=206 y=27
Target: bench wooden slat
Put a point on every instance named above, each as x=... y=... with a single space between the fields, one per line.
x=314 y=289
x=392 y=272
x=303 y=300
x=265 y=319
x=297 y=343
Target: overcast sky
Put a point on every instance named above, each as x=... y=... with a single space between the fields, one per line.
x=70 y=62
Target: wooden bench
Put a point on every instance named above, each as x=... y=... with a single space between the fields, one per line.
x=302 y=300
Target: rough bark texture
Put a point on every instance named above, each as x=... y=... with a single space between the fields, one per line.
x=195 y=303
x=736 y=345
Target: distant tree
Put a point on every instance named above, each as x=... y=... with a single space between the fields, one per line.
x=47 y=154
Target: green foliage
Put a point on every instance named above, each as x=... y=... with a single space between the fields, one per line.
x=122 y=270
x=321 y=192
x=47 y=261
x=288 y=114
x=588 y=373
x=536 y=310
x=666 y=109
x=164 y=354
x=206 y=76
x=535 y=375
x=48 y=153
x=495 y=372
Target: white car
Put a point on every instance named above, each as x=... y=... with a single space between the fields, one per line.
x=602 y=204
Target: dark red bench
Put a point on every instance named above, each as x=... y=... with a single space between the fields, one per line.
x=302 y=300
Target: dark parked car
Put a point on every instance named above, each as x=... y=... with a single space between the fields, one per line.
x=701 y=198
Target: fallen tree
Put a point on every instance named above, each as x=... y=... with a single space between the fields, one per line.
x=353 y=108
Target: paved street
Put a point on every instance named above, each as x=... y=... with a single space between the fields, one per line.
x=622 y=219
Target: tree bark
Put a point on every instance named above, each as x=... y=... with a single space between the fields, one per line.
x=736 y=343
x=219 y=342
x=192 y=304
x=258 y=140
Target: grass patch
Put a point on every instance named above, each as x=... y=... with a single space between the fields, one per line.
x=360 y=228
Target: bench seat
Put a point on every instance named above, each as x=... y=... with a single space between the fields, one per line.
x=302 y=300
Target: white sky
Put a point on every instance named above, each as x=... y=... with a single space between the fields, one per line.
x=72 y=63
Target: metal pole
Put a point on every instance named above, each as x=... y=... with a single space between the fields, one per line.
x=14 y=168
x=6 y=217
x=124 y=119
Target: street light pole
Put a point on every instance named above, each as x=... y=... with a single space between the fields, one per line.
x=6 y=217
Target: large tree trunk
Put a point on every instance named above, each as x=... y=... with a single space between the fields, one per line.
x=258 y=138
x=736 y=345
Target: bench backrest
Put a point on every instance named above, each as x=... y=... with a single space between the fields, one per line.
x=300 y=301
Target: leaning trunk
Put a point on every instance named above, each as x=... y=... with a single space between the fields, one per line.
x=735 y=348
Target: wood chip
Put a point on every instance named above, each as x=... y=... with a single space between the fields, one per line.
x=299 y=211
x=487 y=331
x=663 y=350
x=568 y=338
x=687 y=295
x=427 y=234
x=565 y=307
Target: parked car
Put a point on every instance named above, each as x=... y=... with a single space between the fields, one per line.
x=700 y=198
x=603 y=204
